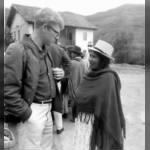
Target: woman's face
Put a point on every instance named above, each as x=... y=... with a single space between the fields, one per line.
x=94 y=60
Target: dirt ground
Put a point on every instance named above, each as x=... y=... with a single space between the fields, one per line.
x=133 y=101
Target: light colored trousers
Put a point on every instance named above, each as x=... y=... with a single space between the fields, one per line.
x=37 y=132
x=58 y=120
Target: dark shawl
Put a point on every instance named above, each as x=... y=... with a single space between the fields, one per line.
x=99 y=94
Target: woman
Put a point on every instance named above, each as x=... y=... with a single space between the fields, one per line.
x=100 y=120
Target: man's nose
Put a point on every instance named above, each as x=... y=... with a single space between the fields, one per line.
x=57 y=38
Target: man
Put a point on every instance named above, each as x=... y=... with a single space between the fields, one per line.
x=29 y=84
x=78 y=69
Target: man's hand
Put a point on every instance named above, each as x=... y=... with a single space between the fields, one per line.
x=58 y=73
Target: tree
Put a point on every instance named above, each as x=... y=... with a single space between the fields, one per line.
x=122 y=44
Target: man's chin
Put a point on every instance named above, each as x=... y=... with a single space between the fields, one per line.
x=49 y=43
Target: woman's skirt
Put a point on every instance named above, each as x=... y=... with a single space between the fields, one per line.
x=82 y=132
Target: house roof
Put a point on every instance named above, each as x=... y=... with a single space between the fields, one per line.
x=28 y=12
x=76 y=20
x=6 y=13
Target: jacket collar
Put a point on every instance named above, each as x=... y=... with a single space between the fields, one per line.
x=29 y=43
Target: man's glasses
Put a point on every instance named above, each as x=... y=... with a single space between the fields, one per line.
x=55 y=31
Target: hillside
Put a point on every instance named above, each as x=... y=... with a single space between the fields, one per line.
x=126 y=18
x=129 y=18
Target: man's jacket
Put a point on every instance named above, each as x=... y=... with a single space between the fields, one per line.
x=21 y=73
x=61 y=60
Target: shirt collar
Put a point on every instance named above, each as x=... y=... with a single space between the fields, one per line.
x=42 y=50
x=35 y=43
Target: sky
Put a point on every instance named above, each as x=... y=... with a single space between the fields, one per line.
x=83 y=7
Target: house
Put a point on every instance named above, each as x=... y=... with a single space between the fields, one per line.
x=77 y=31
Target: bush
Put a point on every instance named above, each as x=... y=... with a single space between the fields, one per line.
x=137 y=56
x=122 y=44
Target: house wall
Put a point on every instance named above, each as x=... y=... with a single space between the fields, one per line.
x=67 y=36
x=81 y=39
x=20 y=27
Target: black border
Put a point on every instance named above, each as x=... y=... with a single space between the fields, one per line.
x=1 y=74
x=147 y=75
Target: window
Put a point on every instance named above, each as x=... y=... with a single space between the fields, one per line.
x=90 y=44
x=14 y=36
x=18 y=34
x=85 y=36
x=69 y=35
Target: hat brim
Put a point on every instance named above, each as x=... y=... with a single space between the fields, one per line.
x=100 y=52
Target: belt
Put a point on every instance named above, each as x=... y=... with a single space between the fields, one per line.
x=43 y=102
